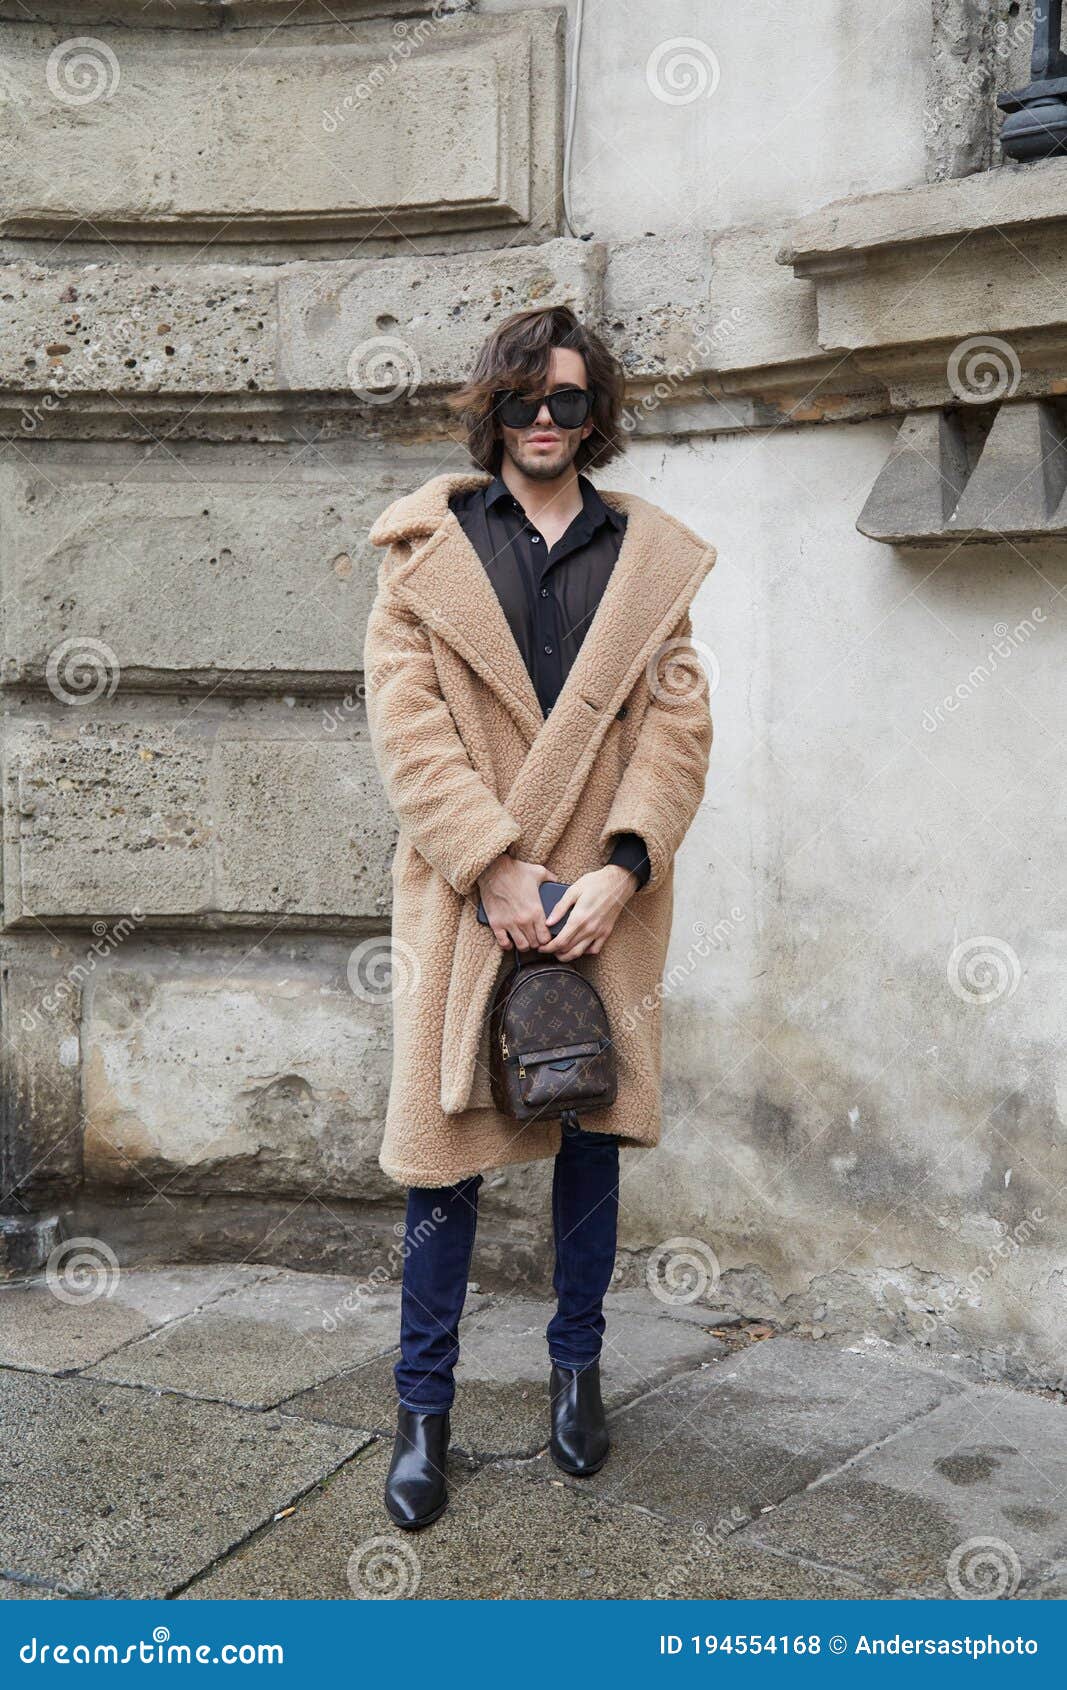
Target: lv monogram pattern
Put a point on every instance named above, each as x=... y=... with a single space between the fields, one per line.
x=550 y=1044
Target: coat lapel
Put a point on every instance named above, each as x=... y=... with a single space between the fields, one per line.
x=660 y=566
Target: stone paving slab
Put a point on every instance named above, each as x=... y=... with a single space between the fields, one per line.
x=502 y=1378
x=508 y=1534
x=265 y=1342
x=989 y=1465
x=80 y=1316
x=123 y=1492
x=720 y=1444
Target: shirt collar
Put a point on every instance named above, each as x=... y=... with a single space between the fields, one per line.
x=594 y=510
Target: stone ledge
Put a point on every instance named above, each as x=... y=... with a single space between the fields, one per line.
x=905 y=281
x=847 y=233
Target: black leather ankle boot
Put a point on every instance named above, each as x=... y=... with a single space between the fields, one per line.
x=415 y=1488
x=579 y=1443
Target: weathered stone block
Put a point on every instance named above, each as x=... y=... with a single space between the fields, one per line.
x=98 y=329
x=391 y=326
x=247 y=1072
x=328 y=132
x=40 y=1010
x=216 y=573
x=222 y=811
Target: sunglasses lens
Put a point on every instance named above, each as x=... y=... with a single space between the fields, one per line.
x=516 y=411
x=567 y=406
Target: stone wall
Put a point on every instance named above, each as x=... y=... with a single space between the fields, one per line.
x=246 y=247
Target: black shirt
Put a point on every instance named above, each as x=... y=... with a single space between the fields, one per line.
x=549 y=596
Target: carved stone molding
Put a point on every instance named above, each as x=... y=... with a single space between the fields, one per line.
x=445 y=125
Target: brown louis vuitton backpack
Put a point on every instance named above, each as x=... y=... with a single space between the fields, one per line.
x=550 y=1047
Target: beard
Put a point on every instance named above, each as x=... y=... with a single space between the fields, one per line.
x=536 y=467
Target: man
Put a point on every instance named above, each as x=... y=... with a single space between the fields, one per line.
x=537 y=713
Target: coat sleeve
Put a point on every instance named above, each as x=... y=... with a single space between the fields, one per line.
x=661 y=790
x=441 y=802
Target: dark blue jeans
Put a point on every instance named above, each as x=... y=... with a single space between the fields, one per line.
x=439 y=1238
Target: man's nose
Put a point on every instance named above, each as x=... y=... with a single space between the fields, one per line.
x=544 y=415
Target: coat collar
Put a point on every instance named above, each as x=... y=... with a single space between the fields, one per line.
x=660 y=565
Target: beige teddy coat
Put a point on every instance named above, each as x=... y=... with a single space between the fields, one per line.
x=472 y=768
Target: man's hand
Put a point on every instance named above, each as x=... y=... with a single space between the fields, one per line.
x=594 y=901
x=512 y=901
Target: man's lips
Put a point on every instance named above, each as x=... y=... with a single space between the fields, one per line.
x=543 y=439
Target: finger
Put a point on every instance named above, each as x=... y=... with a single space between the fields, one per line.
x=572 y=935
x=575 y=952
x=519 y=935
x=541 y=933
x=500 y=934
x=565 y=903
x=542 y=873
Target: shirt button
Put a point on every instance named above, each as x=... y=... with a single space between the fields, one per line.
x=536 y=538
x=548 y=651
x=544 y=592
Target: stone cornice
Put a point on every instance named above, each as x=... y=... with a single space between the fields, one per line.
x=905 y=283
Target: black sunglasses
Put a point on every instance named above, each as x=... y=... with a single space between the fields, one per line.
x=567 y=406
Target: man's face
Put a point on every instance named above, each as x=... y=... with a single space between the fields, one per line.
x=544 y=450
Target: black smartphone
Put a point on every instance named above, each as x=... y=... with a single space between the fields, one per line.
x=551 y=892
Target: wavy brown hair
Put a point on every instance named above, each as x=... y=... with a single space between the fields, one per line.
x=516 y=355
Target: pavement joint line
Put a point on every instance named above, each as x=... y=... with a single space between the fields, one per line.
x=267 y=1276
x=906 y=1427
x=271 y=1521
x=833 y=1569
